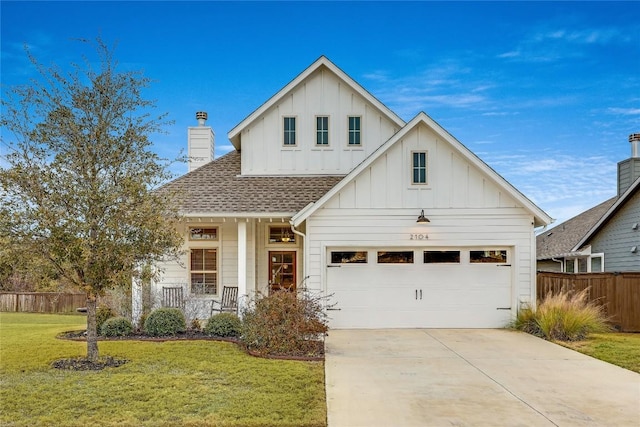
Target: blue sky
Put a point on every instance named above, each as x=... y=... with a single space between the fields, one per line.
x=546 y=93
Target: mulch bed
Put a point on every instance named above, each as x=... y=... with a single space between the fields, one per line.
x=83 y=364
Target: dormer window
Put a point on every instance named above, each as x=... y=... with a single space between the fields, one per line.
x=322 y=130
x=419 y=167
x=354 y=130
x=289 y=131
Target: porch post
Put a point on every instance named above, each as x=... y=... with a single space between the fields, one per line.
x=242 y=263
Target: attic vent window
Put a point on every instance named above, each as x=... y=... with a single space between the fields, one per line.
x=419 y=167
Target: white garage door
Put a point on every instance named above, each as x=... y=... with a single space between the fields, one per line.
x=419 y=288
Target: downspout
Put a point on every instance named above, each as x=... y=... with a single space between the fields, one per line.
x=561 y=264
x=305 y=245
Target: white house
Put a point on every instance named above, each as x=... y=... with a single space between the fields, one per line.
x=329 y=189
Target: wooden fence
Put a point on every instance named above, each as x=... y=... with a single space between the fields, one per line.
x=41 y=302
x=619 y=293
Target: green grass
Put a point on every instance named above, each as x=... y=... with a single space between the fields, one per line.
x=622 y=349
x=190 y=383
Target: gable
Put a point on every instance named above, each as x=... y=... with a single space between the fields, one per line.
x=321 y=91
x=619 y=220
x=457 y=178
x=452 y=182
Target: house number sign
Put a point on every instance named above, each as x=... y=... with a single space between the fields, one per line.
x=418 y=236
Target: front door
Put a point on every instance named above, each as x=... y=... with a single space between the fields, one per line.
x=282 y=270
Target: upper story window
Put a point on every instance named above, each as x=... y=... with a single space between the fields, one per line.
x=322 y=130
x=419 y=167
x=289 y=131
x=210 y=233
x=354 y=130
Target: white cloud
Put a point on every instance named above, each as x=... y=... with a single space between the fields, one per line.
x=624 y=111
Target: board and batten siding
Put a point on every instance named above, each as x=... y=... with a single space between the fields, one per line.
x=321 y=94
x=618 y=236
x=467 y=209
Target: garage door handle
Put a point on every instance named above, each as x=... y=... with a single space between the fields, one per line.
x=504 y=265
x=334 y=266
x=420 y=293
x=333 y=309
x=503 y=308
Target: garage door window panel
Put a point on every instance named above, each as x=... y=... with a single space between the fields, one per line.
x=441 y=257
x=349 y=257
x=395 y=257
x=488 y=257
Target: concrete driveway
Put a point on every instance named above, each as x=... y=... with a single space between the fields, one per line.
x=481 y=377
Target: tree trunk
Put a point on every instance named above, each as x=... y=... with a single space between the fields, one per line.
x=92 y=333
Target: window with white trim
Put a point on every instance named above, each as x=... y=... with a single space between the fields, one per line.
x=322 y=130
x=289 y=131
x=419 y=167
x=204 y=271
x=354 y=130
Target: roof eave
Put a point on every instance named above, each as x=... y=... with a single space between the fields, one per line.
x=612 y=210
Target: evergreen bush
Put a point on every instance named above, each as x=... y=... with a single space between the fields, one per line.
x=116 y=327
x=165 y=321
x=103 y=313
x=224 y=325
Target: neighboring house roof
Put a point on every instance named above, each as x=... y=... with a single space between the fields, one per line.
x=540 y=217
x=234 y=134
x=561 y=239
x=615 y=207
x=217 y=190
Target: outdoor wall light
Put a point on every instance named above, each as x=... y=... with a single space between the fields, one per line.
x=422 y=218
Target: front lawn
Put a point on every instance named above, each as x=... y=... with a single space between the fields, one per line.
x=622 y=349
x=187 y=383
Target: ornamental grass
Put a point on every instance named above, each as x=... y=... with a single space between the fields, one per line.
x=566 y=316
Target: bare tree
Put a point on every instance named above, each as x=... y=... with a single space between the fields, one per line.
x=79 y=180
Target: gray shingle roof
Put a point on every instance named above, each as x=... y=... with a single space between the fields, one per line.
x=218 y=188
x=563 y=237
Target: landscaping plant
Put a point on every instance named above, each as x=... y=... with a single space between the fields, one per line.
x=116 y=327
x=164 y=322
x=103 y=313
x=566 y=316
x=224 y=325
x=285 y=323
x=78 y=179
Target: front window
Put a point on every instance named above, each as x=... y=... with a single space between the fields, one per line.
x=354 y=130
x=289 y=131
x=322 y=130
x=419 y=167
x=204 y=271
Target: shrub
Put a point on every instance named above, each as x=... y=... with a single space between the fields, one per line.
x=224 y=325
x=116 y=327
x=284 y=323
x=165 y=321
x=196 y=325
x=103 y=313
x=564 y=317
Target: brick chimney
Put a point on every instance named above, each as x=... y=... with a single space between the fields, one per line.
x=201 y=140
x=629 y=170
